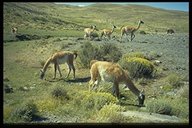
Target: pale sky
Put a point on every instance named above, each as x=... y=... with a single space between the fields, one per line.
x=181 y=6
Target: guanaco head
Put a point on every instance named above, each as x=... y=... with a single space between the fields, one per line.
x=114 y=26
x=141 y=98
x=42 y=74
x=141 y=22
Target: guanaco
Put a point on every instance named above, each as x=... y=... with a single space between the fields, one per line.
x=57 y=59
x=89 y=31
x=130 y=30
x=107 y=32
x=14 y=30
x=112 y=72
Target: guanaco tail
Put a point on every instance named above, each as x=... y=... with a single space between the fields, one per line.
x=57 y=59
x=112 y=72
x=107 y=32
x=125 y=30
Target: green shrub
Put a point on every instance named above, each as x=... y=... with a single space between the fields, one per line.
x=174 y=80
x=134 y=54
x=24 y=113
x=47 y=104
x=60 y=93
x=106 y=52
x=160 y=107
x=87 y=53
x=110 y=113
x=138 y=67
x=93 y=100
x=109 y=52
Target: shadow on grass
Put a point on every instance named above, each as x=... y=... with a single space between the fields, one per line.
x=77 y=80
x=38 y=118
x=130 y=104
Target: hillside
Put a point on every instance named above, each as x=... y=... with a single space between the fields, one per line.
x=50 y=18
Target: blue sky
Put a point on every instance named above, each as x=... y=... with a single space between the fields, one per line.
x=181 y=6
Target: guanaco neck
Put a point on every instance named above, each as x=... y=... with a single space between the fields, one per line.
x=139 y=24
x=131 y=85
x=46 y=64
x=112 y=30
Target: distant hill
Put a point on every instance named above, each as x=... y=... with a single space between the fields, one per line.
x=54 y=17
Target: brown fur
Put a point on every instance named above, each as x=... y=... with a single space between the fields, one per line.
x=107 y=32
x=116 y=75
x=130 y=30
x=63 y=56
x=89 y=31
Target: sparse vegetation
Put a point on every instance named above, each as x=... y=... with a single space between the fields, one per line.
x=24 y=113
x=174 y=80
x=105 y=52
x=138 y=66
x=160 y=107
x=111 y=114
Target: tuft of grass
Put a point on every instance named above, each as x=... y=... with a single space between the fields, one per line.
x=24 y=113
x=174 y=80
x=59 y=93
x=110 y=113
x=160 y=107
x=94 y=100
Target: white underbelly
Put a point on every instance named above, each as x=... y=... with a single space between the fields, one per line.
x=105 y=76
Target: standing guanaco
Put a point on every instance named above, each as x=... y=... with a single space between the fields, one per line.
x=112 y=72
x=107 y=32
x=130 y=30
x=57 y=59
x=89 y=31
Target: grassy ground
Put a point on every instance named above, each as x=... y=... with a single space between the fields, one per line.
x=22 y=62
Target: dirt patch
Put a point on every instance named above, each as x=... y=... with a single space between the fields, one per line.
x=146 y=117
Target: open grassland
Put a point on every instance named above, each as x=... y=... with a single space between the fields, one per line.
x=68 y=100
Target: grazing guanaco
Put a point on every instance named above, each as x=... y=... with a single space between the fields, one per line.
x=112 y=72
x=107 y=32
x=89 y=31
x=130 y=30
x=60 y=58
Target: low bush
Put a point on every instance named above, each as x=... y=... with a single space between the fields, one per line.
x=134 y=54
x=94 y=100
x=47 y=104
x=159 y=106
x=106 y=52
x=174 y=80
x=110 y=113
x=24 y=113
x=138 y=67
x=60 y=93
